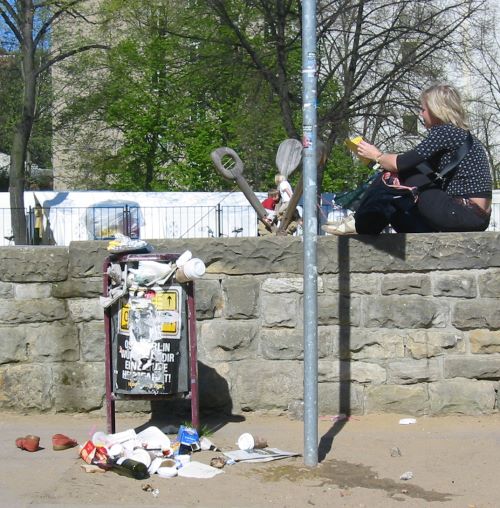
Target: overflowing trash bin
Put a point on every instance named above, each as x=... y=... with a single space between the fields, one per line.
x=150 y=325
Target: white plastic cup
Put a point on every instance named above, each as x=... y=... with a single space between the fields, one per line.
x=167 y=469
x=190 y=270
x=115 y=450
x=246 y=442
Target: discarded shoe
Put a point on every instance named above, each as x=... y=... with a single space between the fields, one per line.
x=62 y=442
x=346 y=227
x=30 y=443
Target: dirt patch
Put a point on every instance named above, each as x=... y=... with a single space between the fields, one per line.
x=346 y=475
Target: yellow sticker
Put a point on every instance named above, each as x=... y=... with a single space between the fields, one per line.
x=124 y=316
x=167 y=300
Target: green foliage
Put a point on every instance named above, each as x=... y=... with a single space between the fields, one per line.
x=174 y=97
x=343 y=171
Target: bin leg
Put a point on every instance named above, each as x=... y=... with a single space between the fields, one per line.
x=110 y=401
x=193 y=358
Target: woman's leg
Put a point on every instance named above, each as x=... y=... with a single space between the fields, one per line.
x=410 y=221
x=443 y=212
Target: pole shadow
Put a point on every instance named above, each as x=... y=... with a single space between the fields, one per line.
x=393 y=244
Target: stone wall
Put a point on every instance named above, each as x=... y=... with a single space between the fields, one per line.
x=406 y=323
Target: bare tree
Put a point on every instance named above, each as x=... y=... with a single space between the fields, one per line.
x=480 y=73
x=373 y=55
x=31 y=23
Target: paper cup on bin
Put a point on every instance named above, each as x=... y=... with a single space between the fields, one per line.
x=190 y=270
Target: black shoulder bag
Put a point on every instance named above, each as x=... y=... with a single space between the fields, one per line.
x=386 y=194
x=437 y=178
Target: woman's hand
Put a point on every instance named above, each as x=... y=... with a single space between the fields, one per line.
x=368 y=151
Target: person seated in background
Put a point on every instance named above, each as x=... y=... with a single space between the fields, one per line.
x=269 y=204
x=272 y=200
x=461 y=203
x=285 y=191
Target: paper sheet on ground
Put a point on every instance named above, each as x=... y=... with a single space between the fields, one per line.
x=195 y=469
x=264 y=455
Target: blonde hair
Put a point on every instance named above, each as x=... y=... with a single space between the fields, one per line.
x=279 y=178
x=445 y=104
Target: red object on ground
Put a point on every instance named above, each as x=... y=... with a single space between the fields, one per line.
x=30 y=443
x=62 y=442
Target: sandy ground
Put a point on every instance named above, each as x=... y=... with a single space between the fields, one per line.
x=454 y=461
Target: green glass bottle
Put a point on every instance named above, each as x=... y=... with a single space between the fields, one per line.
x=130 y=468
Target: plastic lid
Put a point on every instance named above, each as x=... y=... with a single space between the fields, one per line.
x=246 y=442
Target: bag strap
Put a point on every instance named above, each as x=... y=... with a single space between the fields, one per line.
x=437 y=177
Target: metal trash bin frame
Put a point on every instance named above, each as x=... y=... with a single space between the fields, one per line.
x=193 y=392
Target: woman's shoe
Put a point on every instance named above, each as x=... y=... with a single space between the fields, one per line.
x=346 y=226
x=62 y=442
x=30 y=443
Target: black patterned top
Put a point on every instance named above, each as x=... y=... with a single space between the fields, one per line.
x=472 y=177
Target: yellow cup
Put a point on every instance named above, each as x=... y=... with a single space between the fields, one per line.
x=352 y=144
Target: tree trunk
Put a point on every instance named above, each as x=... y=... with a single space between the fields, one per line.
x=23 y=129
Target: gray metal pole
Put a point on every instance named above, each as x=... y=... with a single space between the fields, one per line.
x=309 y=138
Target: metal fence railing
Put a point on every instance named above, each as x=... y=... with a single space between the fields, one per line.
x=62 y=225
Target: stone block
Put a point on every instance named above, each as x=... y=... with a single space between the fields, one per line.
x=338 y=310
x=406 y=284
x=342 y=370
x=6 y=290
x=478 y=313
x=14 y=346
x=344 y=397
x=53 y=342
x=26 y=387
x=479 y=367
x=266 y=385
x=33 y=263
x=86 y=259
x=408 y=253
x=406 y=399
x=484 y=341
x=456 y=284
x=32 y=311
x=282 y=343
x=92 y=336
x=241 y=298
x=241 y=256
x=85 y=309
x=288 y=344
x=409 y=371
x=33 y=291
x=78 y=386
x=221 y=340
x=78 y=288
x=281 y=309
x=429 y=343
x=371 y=344
x=352 y=283
x=287 y=285
x=404 y=312
x=489 y=283
x=208 y=298
x=462 y=396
